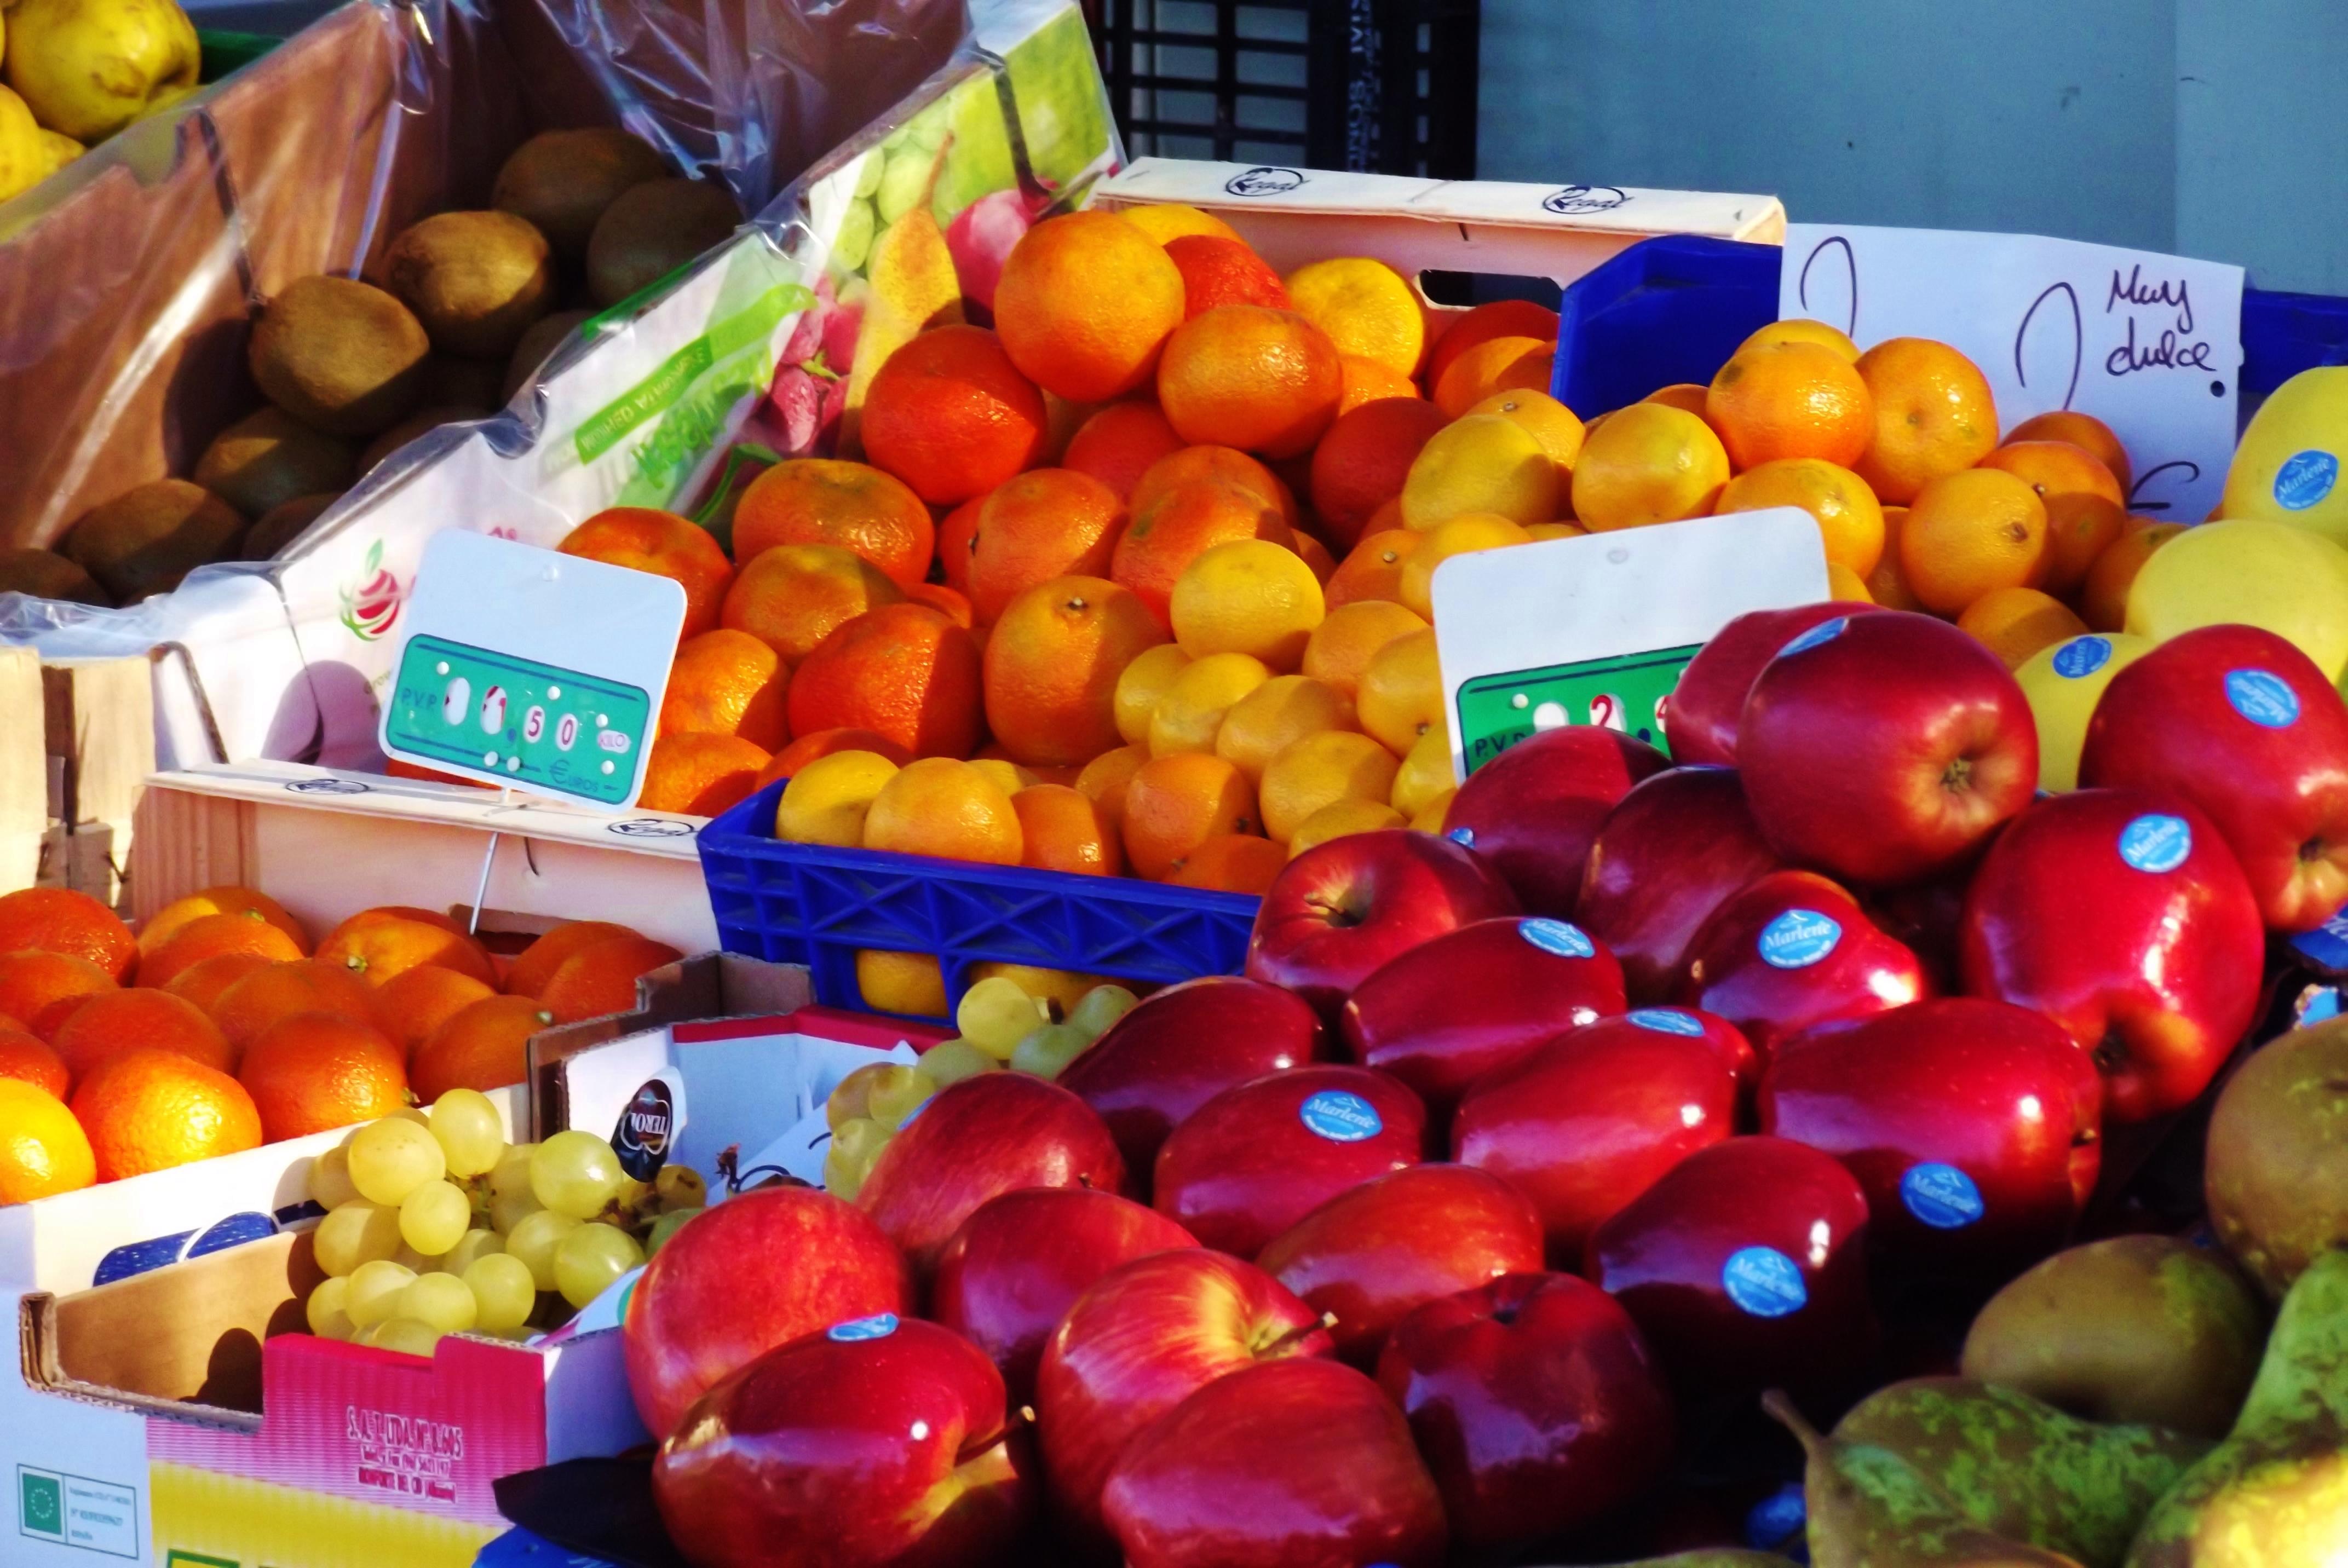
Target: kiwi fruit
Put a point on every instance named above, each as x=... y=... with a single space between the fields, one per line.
x=147 y=539
x=654 y=229
x=339 y=355
x=561 y=180
x=461 y=384
x=475 y=280
x=410 y=428
x=45 y=574
x=537 y=346
x=270 y=457
x=282 y=523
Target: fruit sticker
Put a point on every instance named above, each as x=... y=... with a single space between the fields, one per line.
x=1940 y=1195
x=2156 y=842
x=2081 y=657
x=1824 y=631
x=1764 y=1282
x=2263 y=698
x=1465 y=837
x=1799 y=939
x=1562 y=937
x=1667 y=1020
x=879 y=1325
x=1340 y=1117
x=2305 y=479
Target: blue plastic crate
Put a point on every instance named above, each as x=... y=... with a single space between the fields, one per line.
x=808 y=904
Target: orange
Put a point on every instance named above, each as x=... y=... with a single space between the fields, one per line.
x=727 y=682
x=1261 y=380
x=951 y=415
x=1789 y=398
x=1341 y=646
x=700 y=775
x=1227 y=463
x=1061 y=831
x=1933 y=415
x=901 y=982
x=1316 y=555
x=2103 y=598
x=1219 y=271
x=1547 y=421
x=1284 y=709
x=2015 y=622
x=1496 y=365
x=1103 y=781
x=1321 y=770
x=210 y=937
x=408 y=1008
x=484 y=1047
x=60 y=920
x=1426 y=772
x=1117 y=445
x=2084 y=501
x=1372 y=571
x=1178 y=526
x=600 y=979
x=945 y=600
x=1361 y=463
x=852 y=506
x=1341 y=819
x=25 y=1060
x=1365 y=307
x=1968 y=532
x=1649 y=463
x=1437 y=810
x=116 y=1021
x=826 y=800
x=165 y=923
x=1464 y=534
x=1801 y=329
x=43 y=1149
x=1684 y=394
x=1052 y=667
x=1886 y=585
x=1053 y=522
x=793 y=597
x=313 y=1071
x=1842 y=583
x=38 y=988
x=380 y=949
x=152 y=1110
x=945 y=808
x=1231 y=863
x=903 y=671
x=1481 y=463
x=281 y=990
x=1189 y=714
x=1249 y=596
x=787 y=762
x=1500 y=318
x=1363 y=381
x=645 y=538
x=2081 y=430
x=1141 y=685
x=380 y=913
x=1557 y=531
x=1009 y=776
x=1175 y=803
x=1401 y=692
x=1165 y=221
x=1849 y=517
x=957 y=532
x=1085 y=304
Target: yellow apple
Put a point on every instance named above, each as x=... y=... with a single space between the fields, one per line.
x=2064 y=683
x=2256 y=572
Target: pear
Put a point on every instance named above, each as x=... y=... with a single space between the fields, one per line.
x=2275 y=1180
x=2274 y=1494
x=914 y=288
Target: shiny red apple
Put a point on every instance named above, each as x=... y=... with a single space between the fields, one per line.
x=1342 y=910
x=1792 y=949
x=1884 y=748
x=1701 y=718
x=752 y=1273
x=1295 y=1464
x=878 y=1444
x=2122 y=915
x=1011 y=1271
x=1534 y=1403
x=1666 y=857
x=2244 y=726
x=1532 y=810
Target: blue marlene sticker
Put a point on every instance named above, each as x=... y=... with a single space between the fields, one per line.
x=1799 y=939
x=1563 y=937
x=2082 y=656
x=1465 y=837
x=1340 y=1116
x=1776 y=1519
x=1824 y=631
x=1764 y=1282
x=2263 y=698
x=879 y=1325
x=1940 y=1195
x=1667 y=1020
x=2156 y=842
x=2305 y=479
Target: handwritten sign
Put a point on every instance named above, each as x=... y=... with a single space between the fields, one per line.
x=2150 y=345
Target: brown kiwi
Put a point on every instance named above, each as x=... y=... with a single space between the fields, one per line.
x=410 y=428
x=561 y=180
x=270 y=457
x=45 y=574
x=147 y=539
x=475 y=280
x=282 y=524
x=652 y=231
x=339 y=355
x=537 y=346
x=460 y=383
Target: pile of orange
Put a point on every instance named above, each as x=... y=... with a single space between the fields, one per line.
x=219 y=1027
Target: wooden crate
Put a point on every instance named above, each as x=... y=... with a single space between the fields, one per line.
x=76 y=743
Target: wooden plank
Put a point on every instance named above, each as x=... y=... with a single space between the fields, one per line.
x=24 y=769
x=186 y=841
x=100 y=719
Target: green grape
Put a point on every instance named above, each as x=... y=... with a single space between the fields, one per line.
x=357 y=1232
x=411 y=1113
x=511 y=1174
x=509 y=1210
x=681 y=1187
x=466 y=1123
x=435 y=1217
x=635 y=1197
x=852 y=1099
x=854 y=1147
x=330 y=1179
x=409 y=1259
x=325 y=1309
x=896 y=1097
x=667 y=1225
x=590 y=1259
x=1047 y=1051
x=1101 y=1007
x=995 y=1015
x=503 y=1292
x=373 y=1291
x=393 y=1157
x=534 y=1240
x=576 y=1174
x=474 y=1245
x=405 y=1334
x=441 y=1300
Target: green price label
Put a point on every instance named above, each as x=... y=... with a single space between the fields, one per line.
x=555 y=729
x=1623 y=693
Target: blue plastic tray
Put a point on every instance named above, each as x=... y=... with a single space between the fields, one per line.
x=807 y=904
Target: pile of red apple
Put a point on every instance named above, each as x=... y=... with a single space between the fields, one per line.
x=1642 y=1089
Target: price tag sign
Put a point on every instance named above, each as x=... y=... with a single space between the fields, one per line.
x=532 y=669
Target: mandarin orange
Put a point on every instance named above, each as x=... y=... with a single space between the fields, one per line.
x=147 y=1109
x=116 y=1021
x=727 y=682
x=601 y=979
x=1178 y=526
x=314 y=1071
x=39 y=988
x=787 y=762
x=61 y=921
x=1789 y=398
x=212 y=936
x=1117 y=445
x=951 y=415
x=1231 y=863
x=903 y=670
x=1051 y=667
x=700 y=775
x=1044 y=524
x=165 y=923
x=643 y=539
x=1360 y=465
x=1060 y=830
x=1499 y=318
x=1219 y=271
x=853 y=506
x=485 y=1046
x=1934 y=414
x=24 y=1057
x=1261 y=380
x=2085 y=505
x=1085 y=304
x=410 y=1006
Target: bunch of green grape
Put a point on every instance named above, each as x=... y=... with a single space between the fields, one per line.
x=1002 y=1027
x=435 y=1224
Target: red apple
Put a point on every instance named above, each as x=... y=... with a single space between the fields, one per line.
x=1010 y=1274
x=1532 y=810
x=1883 y=748
x=1701 y=718
x=2244 y=726
x=879 y=1444
x=1370 y=1255
x=752 y=1273
x=1744 y=1266
x=1447 y=1012
x=1592 y=1120
x=1140 y=1340
x=1341 y=909
x=2122 y=915
x=1924 y=917
x=1792 y=949
x=1254 y=1160
x=1664 y=860
x=1182 y=1047
x=1972 y=1125
x=1534 y=1401
x=1295 y=1464
x=976 y=1140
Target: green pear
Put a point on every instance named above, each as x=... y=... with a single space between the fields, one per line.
x=2022 y=1469
x=2273 y=1175
x=2274 y=1494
